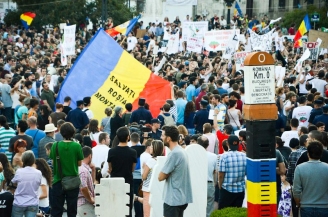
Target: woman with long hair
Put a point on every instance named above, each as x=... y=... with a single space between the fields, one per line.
x=116 y=122
x=94 y=130
x=6 y=133
x=43 y=118
x=8 y=172
x=156 y=149
x=189 y=115
x=46 y=182
x=19 y=148
x=234 y=115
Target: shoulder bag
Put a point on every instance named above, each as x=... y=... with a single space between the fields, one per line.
x=68 y=182
x=234 y=120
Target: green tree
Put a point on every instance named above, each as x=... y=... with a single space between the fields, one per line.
x=76 y=11
x=296 y=16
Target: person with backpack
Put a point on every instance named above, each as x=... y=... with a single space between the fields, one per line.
x=166 y=118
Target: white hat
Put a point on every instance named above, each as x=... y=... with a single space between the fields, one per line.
x=50 y=128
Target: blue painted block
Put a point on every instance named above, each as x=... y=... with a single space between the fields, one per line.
x=262 y=170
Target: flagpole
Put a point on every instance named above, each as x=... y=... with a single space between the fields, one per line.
x=123 y=40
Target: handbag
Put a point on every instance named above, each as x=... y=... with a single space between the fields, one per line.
x=68 y=182
x=140 y=192
x=234 y=120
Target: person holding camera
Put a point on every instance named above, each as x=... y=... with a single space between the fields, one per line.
x=155 y=132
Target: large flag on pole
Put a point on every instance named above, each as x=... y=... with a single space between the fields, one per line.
x=237 y=10
x=112 y=77
x=304 y=28
x=124 y=28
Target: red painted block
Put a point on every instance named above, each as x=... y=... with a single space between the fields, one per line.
x=261 y=210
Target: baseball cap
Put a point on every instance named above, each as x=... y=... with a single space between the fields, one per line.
x=155 y=120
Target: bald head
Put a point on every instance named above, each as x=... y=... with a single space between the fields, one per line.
x=203 y=141
x=32 y=121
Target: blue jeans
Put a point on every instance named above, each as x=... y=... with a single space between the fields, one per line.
x=59 y=196
x=314 y=212
x=138 y=208
x=29 y=211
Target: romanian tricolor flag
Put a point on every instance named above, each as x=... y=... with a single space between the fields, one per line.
x=304 y=28
x=27 y=19
x=237 y=10
x=124 y=28
x=112 y=77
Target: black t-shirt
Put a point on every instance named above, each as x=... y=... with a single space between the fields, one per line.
x=6 y=203
x=66 y=109
x=304 y=157
x=122 y=159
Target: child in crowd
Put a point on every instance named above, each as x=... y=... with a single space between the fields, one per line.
x=285 y=203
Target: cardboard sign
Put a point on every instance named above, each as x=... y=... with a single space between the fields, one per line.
x=194 y=30
x=69 y=40
x=218 y=40
x=231 y=48
x=314 y=35
x=141 y=33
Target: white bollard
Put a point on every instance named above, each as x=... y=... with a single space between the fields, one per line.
x=111 y=197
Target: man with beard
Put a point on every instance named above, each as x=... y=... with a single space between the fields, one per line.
x=48 y=96
x=177 y=192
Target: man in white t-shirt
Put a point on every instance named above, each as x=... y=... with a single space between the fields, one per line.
x=289 y=104
x=86 y=105
x=302 y=82
x=100 y=151
x=293 y=133
x=302 y=112
x=319 y=83
x=146 y=155
x=132 y=41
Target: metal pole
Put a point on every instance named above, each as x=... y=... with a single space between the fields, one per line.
x=228 y=18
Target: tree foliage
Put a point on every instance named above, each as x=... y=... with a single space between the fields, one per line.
x=296 y=16
x=76 y=11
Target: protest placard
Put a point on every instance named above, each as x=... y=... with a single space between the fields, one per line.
x=239 y=59
x=313 y=48
x=194 y=45
x=141 y=33
x=194 y=30
x=69 y=40
x=262 y=42
x=217 y=40
x=231 y=48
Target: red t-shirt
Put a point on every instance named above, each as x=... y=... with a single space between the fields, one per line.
x=291 y=31
x=222 y=137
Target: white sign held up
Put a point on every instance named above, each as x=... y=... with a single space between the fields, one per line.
x=194 y=45
x=218 y=40
x=69 y=40
x=194 y=30
x=239 y=59
x=231 y=48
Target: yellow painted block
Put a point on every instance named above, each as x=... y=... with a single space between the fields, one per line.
x=261 y=192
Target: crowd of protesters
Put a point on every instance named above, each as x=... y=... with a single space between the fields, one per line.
x=35 y=130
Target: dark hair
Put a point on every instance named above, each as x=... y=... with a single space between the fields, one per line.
x=310 y=97
x=172 y=132
x=43 y=166
x=324 y=138
x=294 y=143
x=304 y=130
x=312 y=128
x=228 y=128
x=166 y=107
x=190 y=107
x=135 y=137
x=123 y=134
x=158 y=148
x=128 y=107
x=33 y=102
x=3 y=122
x=8 y=171
x=67 y=130
x=303 y=139
x=192 y=79
x=235 y=94
x=242 y=134
x=22 y=125
x=203 y=141
x=315 y=134
x=115 y=142
x=319 y=124
x=294 y=122
x=279 y=141
x=225 y=145
x=86 y=151
x=67 y=99
x=315 y=150
x=232 y=103
x=242 y=89
x=93 y=126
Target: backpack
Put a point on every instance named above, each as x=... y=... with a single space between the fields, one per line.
x=168 y=120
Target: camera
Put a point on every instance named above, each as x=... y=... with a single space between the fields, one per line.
x=140 y=128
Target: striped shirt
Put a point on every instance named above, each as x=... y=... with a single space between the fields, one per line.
x=5 y=136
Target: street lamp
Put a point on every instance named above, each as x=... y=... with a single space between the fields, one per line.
x=228 y=4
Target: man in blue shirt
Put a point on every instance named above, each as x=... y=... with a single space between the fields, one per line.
x=141 y=114
x=220 y=88
x=191 y=89
x=77 y=117
x=180 y=103
x=201 y=117
x=159 y=30
x=322 y=118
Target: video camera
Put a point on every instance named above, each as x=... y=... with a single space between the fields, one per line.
x=140 y=128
